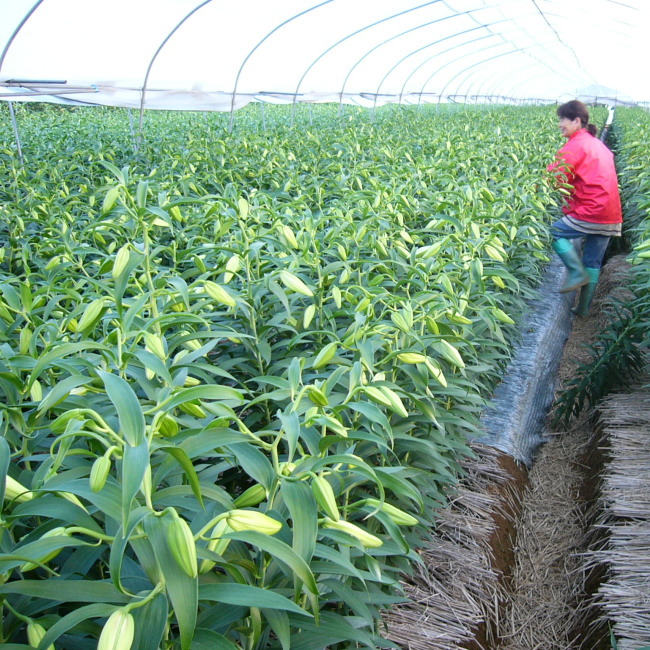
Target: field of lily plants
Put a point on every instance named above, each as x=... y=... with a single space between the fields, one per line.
x=632 y=134
x=238 y=372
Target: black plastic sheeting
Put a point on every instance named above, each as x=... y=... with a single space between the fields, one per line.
x=515 y=421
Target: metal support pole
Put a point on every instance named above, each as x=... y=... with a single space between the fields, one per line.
x=263 y=117
x=133 y=134
x=16 y=134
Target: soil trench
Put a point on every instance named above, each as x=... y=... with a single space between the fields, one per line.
x=547 y=588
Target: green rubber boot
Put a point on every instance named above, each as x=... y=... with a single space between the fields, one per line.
x=577 y=277
x=587 y=293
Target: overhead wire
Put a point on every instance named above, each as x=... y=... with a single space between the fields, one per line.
x=427 y=46
x=493 y=84
x=508 y=74
x=417 y=51
x=410 y=54
x=543 y=15
x=481 y=62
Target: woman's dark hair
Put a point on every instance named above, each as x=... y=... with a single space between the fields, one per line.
x=574 y=109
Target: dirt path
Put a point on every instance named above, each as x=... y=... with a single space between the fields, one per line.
x=542 y=609
x=548 y=587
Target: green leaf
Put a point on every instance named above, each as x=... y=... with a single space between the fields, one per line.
x=294 y=374
x=134 y=466
x=148 y=561
x=248 y=595
x=181 y=287
x=58 y=352
x=163 y=218
x=12 y=297
x=212 y=392
x=75 y=618
x=122 y=280
x=54 y=507
x=279 y=622
x=372 y=412
x=281 y=552
x=132 y=425
x=393 y=531
x=399 y=486
x=291 y=427
x=181 y=589
x=155 y=364
x=184 y=461
x=110 y=199
x=211 y=640
x=5 y=458
x=304 y=515
x=243 y=206
x=178 y=494
x=349 y=597
x=108 y=500
x=254 y=463
x=449 y=352
x=33 y=551
x=67 y=591
x=134 y=312
x=354 y=463
x=61 y=390
x=340 y=561
x=333 y=627
x=118 y=547
x=150 y=623
x=221 y=616
x=211 y=438
x=141 y=193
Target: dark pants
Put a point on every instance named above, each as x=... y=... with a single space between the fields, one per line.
x=593 y=247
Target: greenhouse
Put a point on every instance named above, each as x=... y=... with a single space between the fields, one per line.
x=292 y=352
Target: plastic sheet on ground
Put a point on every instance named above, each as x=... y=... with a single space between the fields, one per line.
x=515 y=420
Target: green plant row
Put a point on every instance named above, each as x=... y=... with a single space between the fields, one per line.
x=238 y=372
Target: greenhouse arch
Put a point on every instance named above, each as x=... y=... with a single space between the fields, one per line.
x=209 y=55
x=277 y=358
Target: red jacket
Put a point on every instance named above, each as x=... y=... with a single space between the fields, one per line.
x=588 y=165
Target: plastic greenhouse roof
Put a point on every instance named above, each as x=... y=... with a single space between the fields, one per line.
x=222 y=54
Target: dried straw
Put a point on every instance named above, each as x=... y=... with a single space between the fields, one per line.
x=542 y=606
x=457 y=591
x=625 y=596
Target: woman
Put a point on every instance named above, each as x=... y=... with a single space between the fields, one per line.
x=593 y=208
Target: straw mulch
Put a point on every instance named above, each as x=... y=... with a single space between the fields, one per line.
x=543 y=605
x=624 y=597
x=457 y=590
